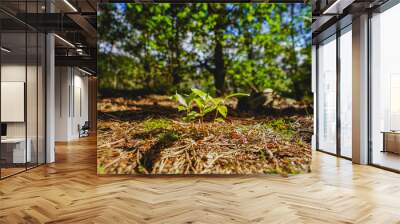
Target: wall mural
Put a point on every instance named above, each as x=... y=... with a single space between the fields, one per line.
x=204 y=88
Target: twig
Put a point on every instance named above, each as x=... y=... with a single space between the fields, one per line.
x=111 y=143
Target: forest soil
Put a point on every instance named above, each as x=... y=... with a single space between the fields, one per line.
x=146 y=135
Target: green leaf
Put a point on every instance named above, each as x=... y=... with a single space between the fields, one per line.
x=199 y=93
x=217 y=101
x=236 y=95
x=220 y=119
x=181 y=108
x=190 y=98
x=209 y=109
x=223 y=110
x=193 y=114
x=179 y=98
x=199 y=102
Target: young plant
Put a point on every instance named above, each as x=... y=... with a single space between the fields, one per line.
x=185 y=104
x=205 y=104
x=220 y=107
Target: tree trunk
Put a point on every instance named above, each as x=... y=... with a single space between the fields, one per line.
x=111 y=62
x=218 y=57
x=146 y=64
x=175 y=45
x=219 y=73
x=176 y=78
x=293 y=59
x=292 y=37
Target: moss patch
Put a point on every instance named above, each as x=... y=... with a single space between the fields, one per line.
x=159 y=123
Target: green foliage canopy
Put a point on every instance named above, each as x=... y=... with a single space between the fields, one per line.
x=219 y=48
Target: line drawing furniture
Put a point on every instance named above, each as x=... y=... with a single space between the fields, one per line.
x=13 y=150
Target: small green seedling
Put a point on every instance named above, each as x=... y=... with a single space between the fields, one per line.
x=205 y=104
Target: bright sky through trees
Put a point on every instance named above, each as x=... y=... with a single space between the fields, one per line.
x=219 y=48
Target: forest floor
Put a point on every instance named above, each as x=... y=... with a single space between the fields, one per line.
x=146 y=135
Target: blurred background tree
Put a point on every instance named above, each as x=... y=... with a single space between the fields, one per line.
x=219 y=48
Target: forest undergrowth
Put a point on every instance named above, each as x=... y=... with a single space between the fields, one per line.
x=147 y=135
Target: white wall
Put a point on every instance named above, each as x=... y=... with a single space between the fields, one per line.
x=71 y=94
x=80 y=96
x=14 y=72
x=33 y=126
x=62 y=81
x=17 y=73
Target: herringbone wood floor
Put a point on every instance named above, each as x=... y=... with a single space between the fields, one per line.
x=70 y=192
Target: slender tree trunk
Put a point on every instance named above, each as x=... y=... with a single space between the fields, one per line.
x=176 y=77
x=146 y=67
x=219 y=73
x=295 y=67
x=292 y=37
x=115 y=82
